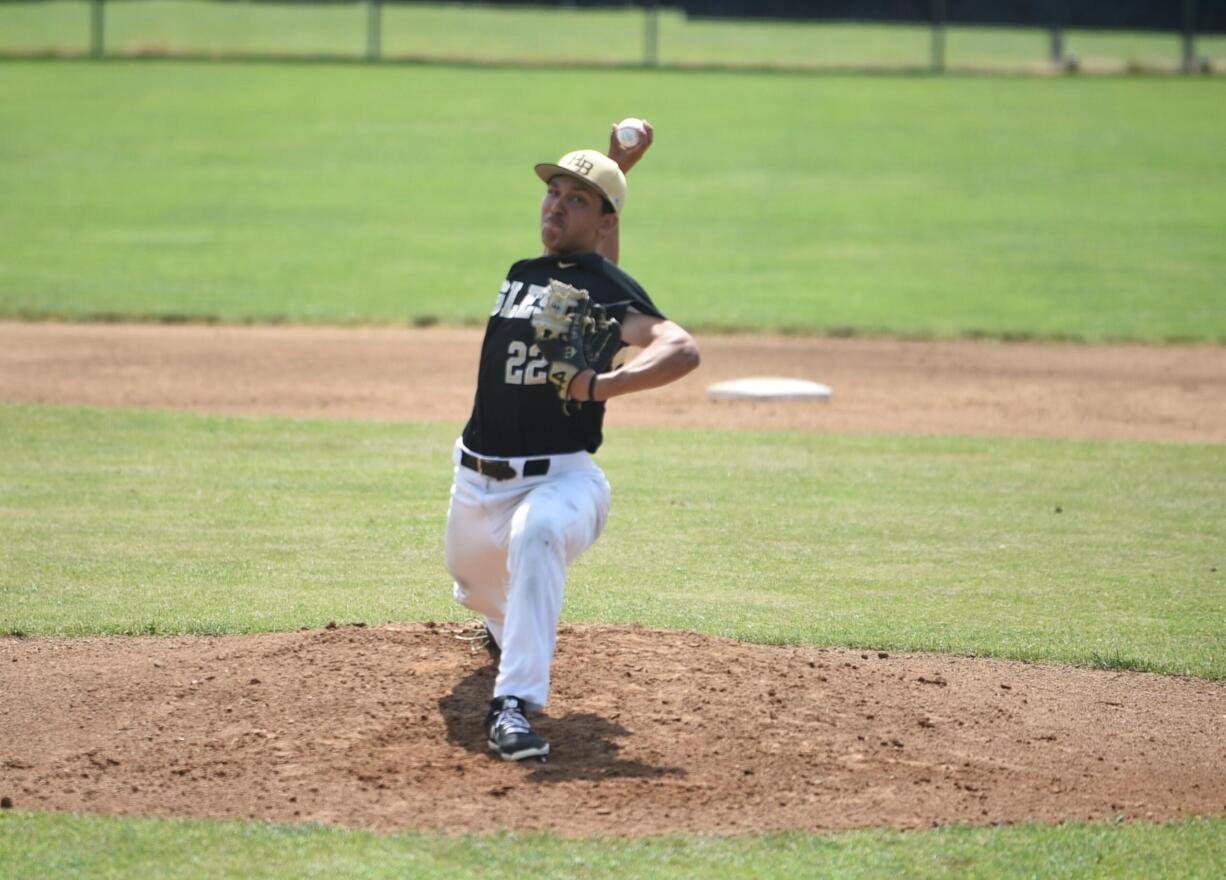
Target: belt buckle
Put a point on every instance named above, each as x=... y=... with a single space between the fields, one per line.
x=495 y=469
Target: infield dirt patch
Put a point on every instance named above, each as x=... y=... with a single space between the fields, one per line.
x=1135 y=392
x=652 y=731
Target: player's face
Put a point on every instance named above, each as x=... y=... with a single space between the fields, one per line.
x=572 y=217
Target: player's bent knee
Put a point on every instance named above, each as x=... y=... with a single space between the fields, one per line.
x=537 y=534
x=483 y=602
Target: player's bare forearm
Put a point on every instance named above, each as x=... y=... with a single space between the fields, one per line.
x=626 y=158
x=668 y=354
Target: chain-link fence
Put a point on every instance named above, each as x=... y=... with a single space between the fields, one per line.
x=586 y=33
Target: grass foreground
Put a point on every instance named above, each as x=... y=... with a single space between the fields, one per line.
x=34 y=845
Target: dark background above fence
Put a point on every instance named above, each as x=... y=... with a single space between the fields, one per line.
x=1179 y=16
x=1201 y=16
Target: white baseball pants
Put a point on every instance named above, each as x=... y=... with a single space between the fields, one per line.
x=509 y=543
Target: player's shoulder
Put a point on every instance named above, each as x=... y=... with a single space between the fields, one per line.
x=521 y=266
x=607 y=282
x=620 y=284
x=624 y=285
x=574 y=266
x=613 y=272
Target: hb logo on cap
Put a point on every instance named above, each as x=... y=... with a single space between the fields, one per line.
x=582 y=165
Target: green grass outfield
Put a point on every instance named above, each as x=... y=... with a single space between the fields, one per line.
x=35 y=847
x=555 y=35
x=137 y=521
x=1087 y=208
x=118 y=521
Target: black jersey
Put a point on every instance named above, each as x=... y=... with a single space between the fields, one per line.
x=517 y=411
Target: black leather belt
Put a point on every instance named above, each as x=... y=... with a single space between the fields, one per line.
x=497 y=469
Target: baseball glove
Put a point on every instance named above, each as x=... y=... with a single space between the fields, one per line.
x=574 y=334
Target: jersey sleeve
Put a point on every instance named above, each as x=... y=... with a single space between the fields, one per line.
x=626 y=293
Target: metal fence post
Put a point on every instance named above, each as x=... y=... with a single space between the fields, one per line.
x=97 y=29
x=1057 y=44
x=651 y=33
x=1189 y=35
x=938 y=36
x=374 y=30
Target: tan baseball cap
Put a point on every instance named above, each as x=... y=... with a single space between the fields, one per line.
x=592 y=167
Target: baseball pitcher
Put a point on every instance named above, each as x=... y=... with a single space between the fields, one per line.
x=527 y=497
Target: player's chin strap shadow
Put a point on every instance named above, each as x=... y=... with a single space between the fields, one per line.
x=583 y=743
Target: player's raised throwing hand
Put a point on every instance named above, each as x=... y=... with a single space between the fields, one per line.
x=627 y=157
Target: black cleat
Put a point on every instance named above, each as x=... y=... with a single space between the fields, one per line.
x=491 y=646
x=479 y=638
x=509 y=733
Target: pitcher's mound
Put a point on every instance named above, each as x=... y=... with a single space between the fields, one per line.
x=652 y=732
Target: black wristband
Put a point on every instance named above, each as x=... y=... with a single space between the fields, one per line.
x=591 y=387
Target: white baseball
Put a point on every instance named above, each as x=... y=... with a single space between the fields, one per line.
x=629 y=132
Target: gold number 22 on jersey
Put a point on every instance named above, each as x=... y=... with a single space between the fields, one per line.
x=520 y=370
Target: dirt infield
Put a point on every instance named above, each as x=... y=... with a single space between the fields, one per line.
x=986 y=389
x=653 y=731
